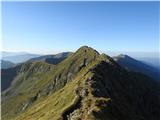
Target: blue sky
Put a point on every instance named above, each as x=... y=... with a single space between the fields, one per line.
x=51 y=27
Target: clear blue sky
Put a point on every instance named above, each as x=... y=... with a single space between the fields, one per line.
x=65 y=26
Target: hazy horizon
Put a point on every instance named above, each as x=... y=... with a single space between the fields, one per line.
x=111 y=53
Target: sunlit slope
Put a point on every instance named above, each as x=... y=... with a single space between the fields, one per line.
x=40 y=79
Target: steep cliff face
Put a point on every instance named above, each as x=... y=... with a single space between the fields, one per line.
x=85 y=86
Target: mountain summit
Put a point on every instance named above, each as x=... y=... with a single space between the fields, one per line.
x=84 y=86
x=134 y=65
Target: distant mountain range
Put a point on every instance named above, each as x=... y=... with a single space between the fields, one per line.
x=51 y=59
x=85 y=85
x=19 y=58
x=23 y=57
x=125 y=61
x=137 y=66
x=7 y=54
x=6 y=64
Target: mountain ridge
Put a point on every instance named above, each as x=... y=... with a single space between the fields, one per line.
x=51 y=59
x=135 y=65
x=85 y=85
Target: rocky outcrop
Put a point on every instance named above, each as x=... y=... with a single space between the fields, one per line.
x=30 y=102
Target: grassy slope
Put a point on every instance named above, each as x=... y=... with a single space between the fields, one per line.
x=36 y=76
x=24 y=86
x=58 y=102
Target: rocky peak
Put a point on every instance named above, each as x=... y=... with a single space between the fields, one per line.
x=86 y=49
x=123 y=56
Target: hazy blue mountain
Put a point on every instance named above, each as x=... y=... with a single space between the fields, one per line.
x=7 y=76
x=6 y=64
x=137 y=66
x=20 y=58
x=7 y=54
x=52 y=59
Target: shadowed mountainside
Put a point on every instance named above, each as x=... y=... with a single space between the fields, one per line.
x=6 y=64
x=137 y=66
x=19 y=58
